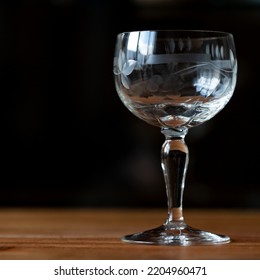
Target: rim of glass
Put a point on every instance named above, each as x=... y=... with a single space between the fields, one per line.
x=201 y=33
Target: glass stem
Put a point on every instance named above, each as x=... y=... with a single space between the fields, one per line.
x=174 y=161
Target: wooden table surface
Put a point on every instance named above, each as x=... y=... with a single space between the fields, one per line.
x=94 y=234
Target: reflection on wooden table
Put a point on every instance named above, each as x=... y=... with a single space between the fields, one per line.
x=85 y=233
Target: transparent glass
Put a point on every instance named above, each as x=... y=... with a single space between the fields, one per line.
x=175 y=80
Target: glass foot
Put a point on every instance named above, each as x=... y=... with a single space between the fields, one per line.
x=181 y=235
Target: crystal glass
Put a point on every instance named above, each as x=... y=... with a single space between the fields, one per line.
x=175 y=80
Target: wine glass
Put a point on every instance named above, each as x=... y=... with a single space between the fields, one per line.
x=175 y=80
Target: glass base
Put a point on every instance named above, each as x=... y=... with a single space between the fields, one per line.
x=181 y=235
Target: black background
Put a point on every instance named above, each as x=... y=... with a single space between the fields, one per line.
x=67 y=140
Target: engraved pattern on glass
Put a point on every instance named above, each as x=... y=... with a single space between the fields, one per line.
x=175 y=80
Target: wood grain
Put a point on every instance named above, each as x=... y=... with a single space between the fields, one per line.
x=78 y=234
